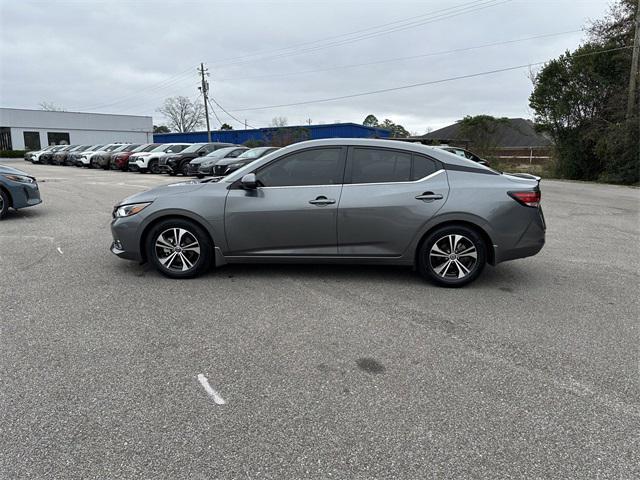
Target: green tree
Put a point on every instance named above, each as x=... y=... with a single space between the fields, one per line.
x=161 y=129
x=580 y=100
x=397 y=130
x=481 y=130
x=226 y=126
x=370 y=121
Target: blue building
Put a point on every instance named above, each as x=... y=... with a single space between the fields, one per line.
x=267 y=135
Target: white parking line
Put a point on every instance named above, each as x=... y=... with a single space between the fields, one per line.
x=59 y=250
x=212 y=393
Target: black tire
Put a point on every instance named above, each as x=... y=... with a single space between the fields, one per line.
x=191 y=232
x=172 y=173
x=443 y=267
x=153 y=166
x=184 y=169
x=4 y=204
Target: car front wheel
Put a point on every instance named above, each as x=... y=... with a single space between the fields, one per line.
x=179 y=248
x=154 y=167
x=4 y=204
x=452 y=256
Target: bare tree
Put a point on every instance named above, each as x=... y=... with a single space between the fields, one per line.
x=51 y=107
x=279 y=122
x=182 y=114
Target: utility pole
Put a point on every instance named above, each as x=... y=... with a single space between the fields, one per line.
x=635 y=70
x=309 y=121
x=205 y=96
x=245 y=123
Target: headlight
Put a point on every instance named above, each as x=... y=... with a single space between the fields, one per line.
x=19 y=178
x=128 y=210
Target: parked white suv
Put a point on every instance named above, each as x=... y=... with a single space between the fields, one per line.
x=87 y=157
x=150 y=161
x=34 y=155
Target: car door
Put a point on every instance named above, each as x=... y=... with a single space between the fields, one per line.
x=388 y=195
x=293 y=211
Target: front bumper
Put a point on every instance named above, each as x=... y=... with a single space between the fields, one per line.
x=205 y=170
x=24 y=194
x=125 y=239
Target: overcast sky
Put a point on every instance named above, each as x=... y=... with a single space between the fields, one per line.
x=126 y=56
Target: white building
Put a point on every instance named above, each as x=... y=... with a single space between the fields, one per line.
x=32 y=129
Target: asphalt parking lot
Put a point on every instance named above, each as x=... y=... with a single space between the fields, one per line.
x=325 y=371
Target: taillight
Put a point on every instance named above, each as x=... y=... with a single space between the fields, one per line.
x=527 y=198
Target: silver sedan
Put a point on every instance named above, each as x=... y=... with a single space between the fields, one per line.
x=339 y=201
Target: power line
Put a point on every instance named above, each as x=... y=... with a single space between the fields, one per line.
x=225 y=111
x=420 y=84
x=167 y=82
x=333 y=37
x=298 y=51
x=214 y=112
x=397 y=59
x=295 y=50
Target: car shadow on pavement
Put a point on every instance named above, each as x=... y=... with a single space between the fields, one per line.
x=22 y=214
x=505 y=277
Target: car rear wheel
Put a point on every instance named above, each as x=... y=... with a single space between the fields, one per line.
x=179 y=249
x=185 y=169
x=452 y=256
x=4 y=204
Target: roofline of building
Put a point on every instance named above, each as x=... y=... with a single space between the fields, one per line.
x=325 y=125
x=81 y=113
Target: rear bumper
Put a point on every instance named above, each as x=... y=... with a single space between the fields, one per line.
x=530 y=242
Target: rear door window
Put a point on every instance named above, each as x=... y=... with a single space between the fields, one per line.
x=373 y=165
x=422 y=167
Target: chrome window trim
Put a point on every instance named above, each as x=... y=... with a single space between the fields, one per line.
x=358 y=184
x=431 y=175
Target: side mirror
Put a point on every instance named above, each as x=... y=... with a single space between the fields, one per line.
x=249 y=181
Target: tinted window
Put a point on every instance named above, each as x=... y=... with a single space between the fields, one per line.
x=321 y=166
x=422 y=166
x=371 y=165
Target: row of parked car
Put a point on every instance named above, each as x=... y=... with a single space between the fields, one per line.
x=193 y=159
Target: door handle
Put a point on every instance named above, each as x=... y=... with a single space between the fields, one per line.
x=429 y=196
x=322 y=201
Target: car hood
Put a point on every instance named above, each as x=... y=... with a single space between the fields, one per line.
x=229 y=161
x=180 y=188
x=12 y=171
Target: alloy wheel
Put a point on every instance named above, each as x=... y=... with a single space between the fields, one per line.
x=177 y=249
x=453 y=256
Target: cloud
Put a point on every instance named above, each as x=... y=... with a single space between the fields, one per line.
x=124 y=57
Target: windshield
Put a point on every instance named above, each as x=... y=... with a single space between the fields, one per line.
x=131 y=148
x=193 y=148
x=254 y=152
x=161 y=148
x=111 y=148
x=146 y=148
x=221 y=153
x=95 y=148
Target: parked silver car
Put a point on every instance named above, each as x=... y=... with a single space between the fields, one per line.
x=339 y=201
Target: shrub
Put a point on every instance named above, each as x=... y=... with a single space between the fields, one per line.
x=12 y=153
